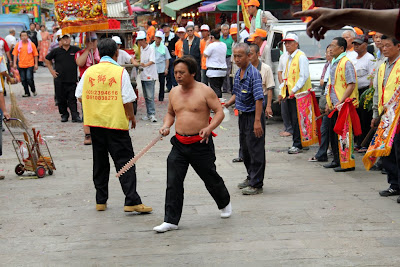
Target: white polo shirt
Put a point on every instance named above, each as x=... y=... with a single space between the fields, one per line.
x=146 y=55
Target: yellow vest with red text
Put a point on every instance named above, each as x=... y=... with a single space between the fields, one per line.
x=101 y=97
x=386 y=92
x=293 y=75
x=340 y=85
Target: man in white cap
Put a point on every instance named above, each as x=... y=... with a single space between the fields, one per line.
x=296 y=79
x=259 y=18
x=179 y=44
x=123 y=56
x=148 y=76
x=66 y=76
x=162 y=61
x=205 y=34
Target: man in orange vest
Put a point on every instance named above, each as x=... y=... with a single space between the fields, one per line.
x=296 y=80
x=342 y=85
x=106 y=94
x=388 y=81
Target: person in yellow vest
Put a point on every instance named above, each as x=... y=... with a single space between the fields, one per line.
x=3 y=109
x=342 y=84
x=296 y=80
x=387 y=81
x=106 y=94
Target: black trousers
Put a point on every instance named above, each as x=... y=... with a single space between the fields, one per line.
x=171 y=82
x=334 y=138
x=294 y=122
x=201 y=157
x=65 y=94
x=365 y=120
x=253 y=148
x=27 y=79
x=216 y=85
x=118 y=144
x=391 y=164
x=161 y=79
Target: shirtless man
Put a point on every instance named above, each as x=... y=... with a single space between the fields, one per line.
x=190 y=103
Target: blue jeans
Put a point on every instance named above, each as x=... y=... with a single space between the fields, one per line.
x=148 y=93
x=323 y=148
x=27 y=79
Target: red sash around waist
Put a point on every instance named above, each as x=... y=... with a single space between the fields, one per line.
x=191 y=139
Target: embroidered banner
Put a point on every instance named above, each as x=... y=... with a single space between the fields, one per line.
x=381 y=144
x=307 y=111
x=81 y=15
x=347 y=123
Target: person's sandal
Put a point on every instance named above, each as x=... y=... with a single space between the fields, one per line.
x=313 y=159
x=237 y=160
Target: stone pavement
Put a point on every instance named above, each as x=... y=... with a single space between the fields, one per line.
x=307 y=216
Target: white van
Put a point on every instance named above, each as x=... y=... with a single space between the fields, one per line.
x=314 y=50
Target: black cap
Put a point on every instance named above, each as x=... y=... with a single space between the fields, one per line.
x=361 y=39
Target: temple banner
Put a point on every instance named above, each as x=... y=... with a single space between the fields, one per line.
x=81 y=15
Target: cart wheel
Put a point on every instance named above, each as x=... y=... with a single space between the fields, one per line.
x=40 y=172
x=19 y=169
x=50 y=172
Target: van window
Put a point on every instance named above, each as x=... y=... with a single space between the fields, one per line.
x=277 y=38
x=316 y=49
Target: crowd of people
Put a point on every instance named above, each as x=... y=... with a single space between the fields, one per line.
x=197 y=65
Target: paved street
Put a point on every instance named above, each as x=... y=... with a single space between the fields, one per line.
x=307 y=215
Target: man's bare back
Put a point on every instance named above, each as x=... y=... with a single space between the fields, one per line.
x=191 y=107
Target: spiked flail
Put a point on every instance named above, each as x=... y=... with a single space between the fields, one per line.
x=132 y=162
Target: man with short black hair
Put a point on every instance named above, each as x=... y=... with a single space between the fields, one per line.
x=342 y=85
x=364 y=65
x=106 y=94
x=191 y=46
x=170 y=40
x=227 y=39
x=34 y=36
x=189 y=108
x=65 y=77
x=386 y=84
x=26 y=54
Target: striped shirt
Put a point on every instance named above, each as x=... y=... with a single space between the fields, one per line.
x=248 y=89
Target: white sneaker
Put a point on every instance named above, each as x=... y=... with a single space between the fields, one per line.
x=153 y=118
x=145 y=118
x=227 y=211
x=295 y=150
x=164 y=227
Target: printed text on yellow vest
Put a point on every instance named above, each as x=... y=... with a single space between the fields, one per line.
x=101 y=97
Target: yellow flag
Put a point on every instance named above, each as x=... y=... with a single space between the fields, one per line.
x=246 y=16
x=307 y=4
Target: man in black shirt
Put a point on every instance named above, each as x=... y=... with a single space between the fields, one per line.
x=65 y=77
x=169 y=41
x=34 y=36
x=191 y=46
